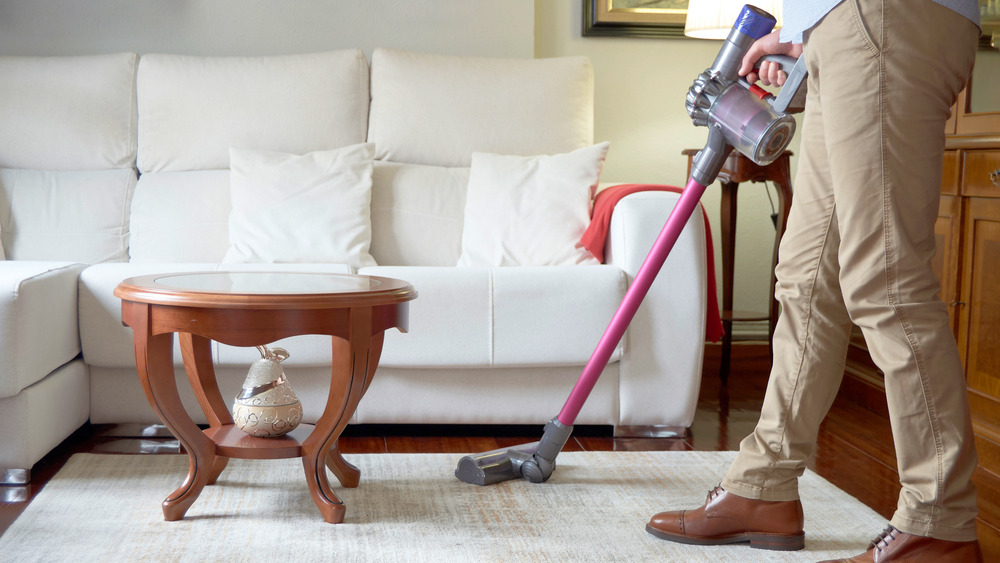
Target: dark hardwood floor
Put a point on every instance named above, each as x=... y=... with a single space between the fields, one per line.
x=848 y=454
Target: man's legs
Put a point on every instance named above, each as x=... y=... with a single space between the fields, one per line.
x=811 y=336
x=810 y=347
x=858 y=247
x=884 y=88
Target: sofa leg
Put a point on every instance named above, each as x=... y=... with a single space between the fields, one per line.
x=15 y=477
x=13 y=487
x=651 y=431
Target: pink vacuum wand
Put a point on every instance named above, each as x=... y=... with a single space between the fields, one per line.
x=736 y=118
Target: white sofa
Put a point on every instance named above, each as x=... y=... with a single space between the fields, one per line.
x=117 y=165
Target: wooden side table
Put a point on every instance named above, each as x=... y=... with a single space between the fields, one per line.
x=738 y=168
x=249 y=309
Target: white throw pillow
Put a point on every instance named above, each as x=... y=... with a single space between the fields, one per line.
x=301 y=208
x=530 y=210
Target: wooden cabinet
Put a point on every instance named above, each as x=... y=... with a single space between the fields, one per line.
x=978 y=305
x=979 y=321
x=968 y=265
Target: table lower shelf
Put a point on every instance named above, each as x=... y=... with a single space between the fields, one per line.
x=232 y=442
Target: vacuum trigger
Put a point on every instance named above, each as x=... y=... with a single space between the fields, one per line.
x=758 y=91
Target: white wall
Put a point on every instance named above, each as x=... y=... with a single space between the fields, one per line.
x=640 y=89
x=265 y=27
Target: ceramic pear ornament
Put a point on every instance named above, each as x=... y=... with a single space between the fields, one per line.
x=266 y=406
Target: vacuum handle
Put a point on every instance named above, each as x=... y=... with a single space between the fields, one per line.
x=792 y=96
x=786 y=62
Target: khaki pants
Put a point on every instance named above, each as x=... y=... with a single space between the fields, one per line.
x=883 y=75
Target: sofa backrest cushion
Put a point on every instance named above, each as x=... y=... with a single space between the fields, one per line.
x=68 y=113
x=417 y=214
x=79 y=216
x=67 y=156
x=193 y=109
x=438 y=109
x=180 y=217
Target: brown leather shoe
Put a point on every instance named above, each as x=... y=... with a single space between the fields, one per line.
x=727 y=518
x=893 y=545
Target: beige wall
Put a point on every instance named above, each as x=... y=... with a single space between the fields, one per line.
x=986 y=82
x=640 y=89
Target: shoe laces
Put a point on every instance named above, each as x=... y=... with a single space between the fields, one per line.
x=882 y=540
x=712 y=493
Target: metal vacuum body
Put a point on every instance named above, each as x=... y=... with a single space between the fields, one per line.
x=737 y=115
x=740 y=115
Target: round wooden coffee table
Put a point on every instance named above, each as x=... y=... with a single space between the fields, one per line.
x=250 y=309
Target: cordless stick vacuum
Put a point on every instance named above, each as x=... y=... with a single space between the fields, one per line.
x=737 y=115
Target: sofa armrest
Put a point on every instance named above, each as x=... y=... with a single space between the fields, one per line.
x=664 y=344
x=38 y=320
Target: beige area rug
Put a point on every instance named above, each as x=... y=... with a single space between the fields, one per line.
x=102 y=507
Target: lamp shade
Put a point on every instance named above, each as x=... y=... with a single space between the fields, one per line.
x=713 y=19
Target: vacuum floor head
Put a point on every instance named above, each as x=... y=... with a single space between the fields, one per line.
x=494 y=466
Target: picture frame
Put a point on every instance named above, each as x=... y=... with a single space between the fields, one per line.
x=634 y=18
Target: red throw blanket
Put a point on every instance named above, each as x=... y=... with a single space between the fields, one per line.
x=594 y=237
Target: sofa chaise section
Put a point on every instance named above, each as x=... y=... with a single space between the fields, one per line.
x=67 y=172
x=44 y=387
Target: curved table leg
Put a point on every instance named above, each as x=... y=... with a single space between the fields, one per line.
x=197 y=353
x=345 y=472
x=353 y=361
x=349 y=475
x=154 y=360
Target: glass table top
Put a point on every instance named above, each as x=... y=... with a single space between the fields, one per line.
x=264 y=290
x=267 y=283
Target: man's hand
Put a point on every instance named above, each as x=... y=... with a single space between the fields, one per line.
x=770 y=72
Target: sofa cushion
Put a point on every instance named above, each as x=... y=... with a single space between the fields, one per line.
x=180 y=217
x=82 y=216
x=80 y=112
x=553 y=315
x=469 y=104
x=417 y=214
x=38 y=320
x=301 y=208
x=193 y=109
x=483 y=317
x=530 y=211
